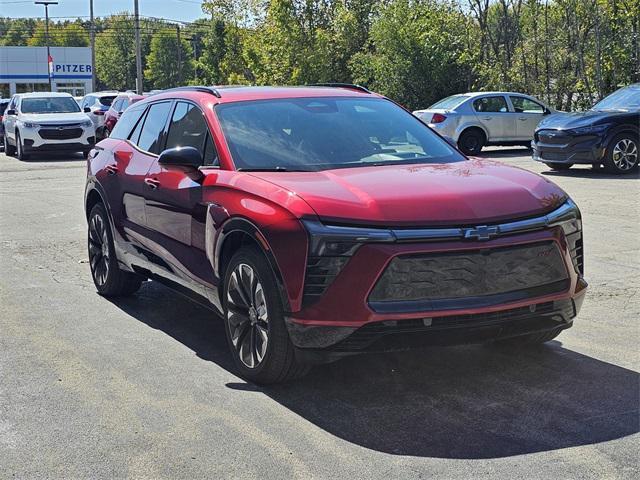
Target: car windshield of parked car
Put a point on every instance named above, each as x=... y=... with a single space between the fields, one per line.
x=449 y=102
x=49 y=105
x=324 y=133
x=626 y=99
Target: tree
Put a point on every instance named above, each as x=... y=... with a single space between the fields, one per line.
x=170 y=61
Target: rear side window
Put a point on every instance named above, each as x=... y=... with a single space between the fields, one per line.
x=153 y=128
x=3 y=107
x=116 y=105
x=490 y=104
x=126 y=123
x=123 y=106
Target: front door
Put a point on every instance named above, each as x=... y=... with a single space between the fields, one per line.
x=175 y=214
x=528 y=114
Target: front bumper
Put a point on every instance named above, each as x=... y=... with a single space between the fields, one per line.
x=45 y=138
x=561 y=147
x=345 y=320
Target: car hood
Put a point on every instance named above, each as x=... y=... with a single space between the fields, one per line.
x=468 y=192
x=54 y=118
x=562 y=121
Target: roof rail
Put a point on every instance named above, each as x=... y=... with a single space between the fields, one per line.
x=211 y=90
x=352 y=86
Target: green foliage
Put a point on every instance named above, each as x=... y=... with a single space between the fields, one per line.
x=169 y=62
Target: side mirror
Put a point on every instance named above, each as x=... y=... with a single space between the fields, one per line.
x=86 y=110
x=186 y=159
x=547 y=111
x=11 y=111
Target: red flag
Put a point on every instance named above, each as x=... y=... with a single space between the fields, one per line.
x=50 y=66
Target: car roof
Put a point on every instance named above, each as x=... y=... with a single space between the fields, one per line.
x=107 y=93
x=228 y=94
x=479 y=94
x=43 y=95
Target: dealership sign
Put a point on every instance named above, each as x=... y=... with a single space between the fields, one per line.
x=72 y=68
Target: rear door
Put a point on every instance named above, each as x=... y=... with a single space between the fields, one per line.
x=492 y=112
x=174 y=208
x=10 y=120
x=528 y=114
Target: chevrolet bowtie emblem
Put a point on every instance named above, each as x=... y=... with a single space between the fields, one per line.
x=481 y=232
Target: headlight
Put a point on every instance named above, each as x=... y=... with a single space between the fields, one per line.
x=30 y=125
x=87 y=123
x=589 y=129
x=568 y=217
x=336 y=241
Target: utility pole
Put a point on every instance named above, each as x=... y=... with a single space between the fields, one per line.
x=179 y=56
x=136 y=14
x=92 y=36
x=46 y=35
x=195 y=60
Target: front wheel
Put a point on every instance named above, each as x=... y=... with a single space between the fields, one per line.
x=108 y=278
x=20 y=153
x=9 y=150
x=254 y=321
x=622 y=154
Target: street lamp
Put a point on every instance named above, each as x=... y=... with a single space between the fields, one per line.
x=46 y=4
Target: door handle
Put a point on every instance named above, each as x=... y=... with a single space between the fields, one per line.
x=487 y=118
x=152 y=183
x=111 y=169
x=522 y=119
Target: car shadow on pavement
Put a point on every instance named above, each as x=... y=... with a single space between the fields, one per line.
x=595 y=173
x=467 y=402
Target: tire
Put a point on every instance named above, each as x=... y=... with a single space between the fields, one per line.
x=109 y=279
x=20 y=154
x=471 y=142
x=9 y=150
x=531 y=339
x=559 y=167
x=85 y=154
x=623 y=153
x=253 y=312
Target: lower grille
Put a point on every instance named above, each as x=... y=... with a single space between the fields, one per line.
x=577 y=254
x=473 y=327
x=469 y=278
x=60 y=133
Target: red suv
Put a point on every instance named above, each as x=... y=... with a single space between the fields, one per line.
x=323 y=221
x=118 y=106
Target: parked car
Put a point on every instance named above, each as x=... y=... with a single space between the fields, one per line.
x=96 y=106
x=474 y=120
x=78 y=100
x=46 y=122
x=3 y=106
x=323 y=221
x=607 y=134
x=118 y=106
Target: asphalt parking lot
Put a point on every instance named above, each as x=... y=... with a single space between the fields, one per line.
x=143 y=387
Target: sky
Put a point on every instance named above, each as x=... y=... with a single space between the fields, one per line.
x=181 y=10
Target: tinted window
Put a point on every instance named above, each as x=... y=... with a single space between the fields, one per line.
x=153 y=128
x=524 y=105
x=126 y=122
x=625 y=99
x=210 y=154
x=324 y=133
x=490 y=104
x=188 y=128
x=123 y=106
x=116 y=105
x=49 y=105
x=3 y=107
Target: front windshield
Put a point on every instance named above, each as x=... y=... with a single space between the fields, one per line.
x=324 y=133
x=449 y=102
x=49 y=105
x=625 y=99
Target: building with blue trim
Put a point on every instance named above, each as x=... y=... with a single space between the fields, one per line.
x=25 y=69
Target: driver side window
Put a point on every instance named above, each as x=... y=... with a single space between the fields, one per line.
x=189 y=129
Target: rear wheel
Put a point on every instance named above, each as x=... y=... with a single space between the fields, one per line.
x=108 y=278
x=254 y=321
x=20 y=153
x=622 y=153
x=559 y=166
x=8 y=149
x=471 y=142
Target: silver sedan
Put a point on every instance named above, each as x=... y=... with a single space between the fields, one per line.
x=474 y=120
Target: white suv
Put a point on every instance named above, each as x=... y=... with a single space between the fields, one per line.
x=46 y=121
x=96 y=105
